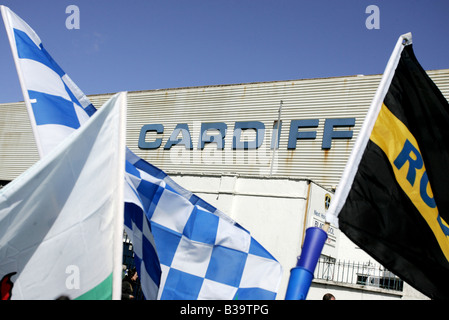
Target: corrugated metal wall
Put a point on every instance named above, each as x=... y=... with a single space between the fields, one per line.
x=305 y=99
x=17 y=146
x=341 y=97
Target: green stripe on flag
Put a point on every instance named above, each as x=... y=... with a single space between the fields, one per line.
x=103 y=291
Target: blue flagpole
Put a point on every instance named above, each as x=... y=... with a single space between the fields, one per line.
x=302 y=275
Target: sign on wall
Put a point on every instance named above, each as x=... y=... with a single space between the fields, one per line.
x=318 y=204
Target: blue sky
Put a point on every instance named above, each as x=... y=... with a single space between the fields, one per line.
x=155 y=44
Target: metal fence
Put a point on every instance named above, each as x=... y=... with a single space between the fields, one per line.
x=365 y=274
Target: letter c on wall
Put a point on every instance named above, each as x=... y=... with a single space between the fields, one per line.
x=143 y=144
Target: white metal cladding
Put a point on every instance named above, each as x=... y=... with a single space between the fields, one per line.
x=324 y=98
x=17 y=146
x=306 y=99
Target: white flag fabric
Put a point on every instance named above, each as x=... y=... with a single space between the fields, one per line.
x=202 y=253
x=61 y=231
x=57 y=107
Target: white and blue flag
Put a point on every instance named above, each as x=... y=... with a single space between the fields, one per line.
x=57 y=107
x=61 y=234
x=202 y=253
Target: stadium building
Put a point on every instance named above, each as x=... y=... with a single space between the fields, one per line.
x=270 y=155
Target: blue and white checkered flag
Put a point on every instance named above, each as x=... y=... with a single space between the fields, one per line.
x=203 y=253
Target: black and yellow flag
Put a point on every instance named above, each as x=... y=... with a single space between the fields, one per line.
x=397 y=208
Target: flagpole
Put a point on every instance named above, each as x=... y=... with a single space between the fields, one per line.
x=119 y=219
x=363 y=136
x=276 y=142
x=6 y=20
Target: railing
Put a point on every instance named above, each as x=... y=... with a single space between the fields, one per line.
x=364 y=274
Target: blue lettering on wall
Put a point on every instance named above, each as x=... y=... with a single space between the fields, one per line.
x=330 y=134
x=216 y=133
x=259 y=127
x=206 y=138
x=183 y=129
x=143 y=144
x=295 y=135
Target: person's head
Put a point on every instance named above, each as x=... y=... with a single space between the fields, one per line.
x=132 y=274
x=328 y=296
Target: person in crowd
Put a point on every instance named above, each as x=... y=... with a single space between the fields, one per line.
x=328 y=296
x=128 y=285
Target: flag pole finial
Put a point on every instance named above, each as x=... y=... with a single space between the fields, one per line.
x=406 y=39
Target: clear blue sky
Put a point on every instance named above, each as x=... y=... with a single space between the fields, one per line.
x=155 y=44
